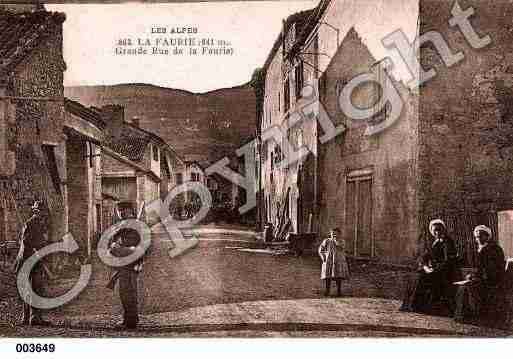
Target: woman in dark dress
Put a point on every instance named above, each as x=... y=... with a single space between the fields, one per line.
x=479 y=297
x=435 y=274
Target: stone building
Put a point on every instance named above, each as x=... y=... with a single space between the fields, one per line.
x=281 y=199
x=137 y=165
x=448 y=154
x=465 y=145
x=203 y=127
x=84 y=129
x=32 y=137
x=368 y=182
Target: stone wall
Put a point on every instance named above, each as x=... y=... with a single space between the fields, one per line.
x=466 y=131
x=37 y=123
x=388 y=158
x=111 y=165
x=79 y=190
x=272 y=182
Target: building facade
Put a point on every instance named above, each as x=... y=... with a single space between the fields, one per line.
x=448 y=153
x=284 y=75
x=84 y=129
x=137 y=165
x=32 y=138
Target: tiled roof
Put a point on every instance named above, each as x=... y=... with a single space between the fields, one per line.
x=88 y=114
x=133 y=141
x=22 y=33
x=129 y=144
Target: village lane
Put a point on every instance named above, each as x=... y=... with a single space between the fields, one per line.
x=228 y=284
x=225 y=266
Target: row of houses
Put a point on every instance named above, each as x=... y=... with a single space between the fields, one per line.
x=79 y=161
x=448 y=155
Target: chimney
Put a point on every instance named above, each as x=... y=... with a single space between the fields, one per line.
x=114 y=116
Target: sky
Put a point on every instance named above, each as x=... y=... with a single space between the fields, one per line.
x=91 y=32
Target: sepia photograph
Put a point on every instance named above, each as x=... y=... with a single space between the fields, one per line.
x=255 y=169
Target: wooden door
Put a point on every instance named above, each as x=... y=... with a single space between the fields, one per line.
x=359 y=239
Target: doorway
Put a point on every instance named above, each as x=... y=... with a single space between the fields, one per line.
x=505 y=229
x=359 y=238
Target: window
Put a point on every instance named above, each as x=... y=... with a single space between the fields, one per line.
x=51 y=164
x=195 y=177
x=316 y=58
x=165 y=169
x=279 y=155
x=91 y=154
x=299 y=79
x=155 y=153
x=272 y=167
x=505 y=228
x=323 y=86
x=98 y=218
x=179 y=178
x=286 y=95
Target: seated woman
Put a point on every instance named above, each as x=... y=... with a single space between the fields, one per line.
x=479 y=297
x=436 y=273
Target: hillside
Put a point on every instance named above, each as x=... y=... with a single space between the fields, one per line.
x=202 y=127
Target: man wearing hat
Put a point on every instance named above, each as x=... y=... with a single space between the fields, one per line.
x=436 y=272
x=33 y=238
x=126 y=240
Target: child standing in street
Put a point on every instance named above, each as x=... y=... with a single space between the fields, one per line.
x=334 y=262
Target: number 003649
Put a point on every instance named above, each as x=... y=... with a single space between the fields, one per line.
x=35 y=348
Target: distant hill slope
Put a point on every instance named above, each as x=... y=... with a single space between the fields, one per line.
x=202 y=127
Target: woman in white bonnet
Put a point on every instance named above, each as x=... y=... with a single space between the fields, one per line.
x=435 y=274
x=478 y=297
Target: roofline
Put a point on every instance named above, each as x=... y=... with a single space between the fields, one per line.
x=155 y=138
x=279 y=39
x=313 y=21
x=84 y=112
x=129 y=162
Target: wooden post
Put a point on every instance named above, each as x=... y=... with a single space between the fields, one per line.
x=7 y=115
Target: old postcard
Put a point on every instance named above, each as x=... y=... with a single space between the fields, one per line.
x=312 y=168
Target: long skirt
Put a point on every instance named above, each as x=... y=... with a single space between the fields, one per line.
x=484 y=305
x=425 y=290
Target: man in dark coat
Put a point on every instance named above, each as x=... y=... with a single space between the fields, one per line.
x=436 y=273
x=33 y=238
x=124 y=245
